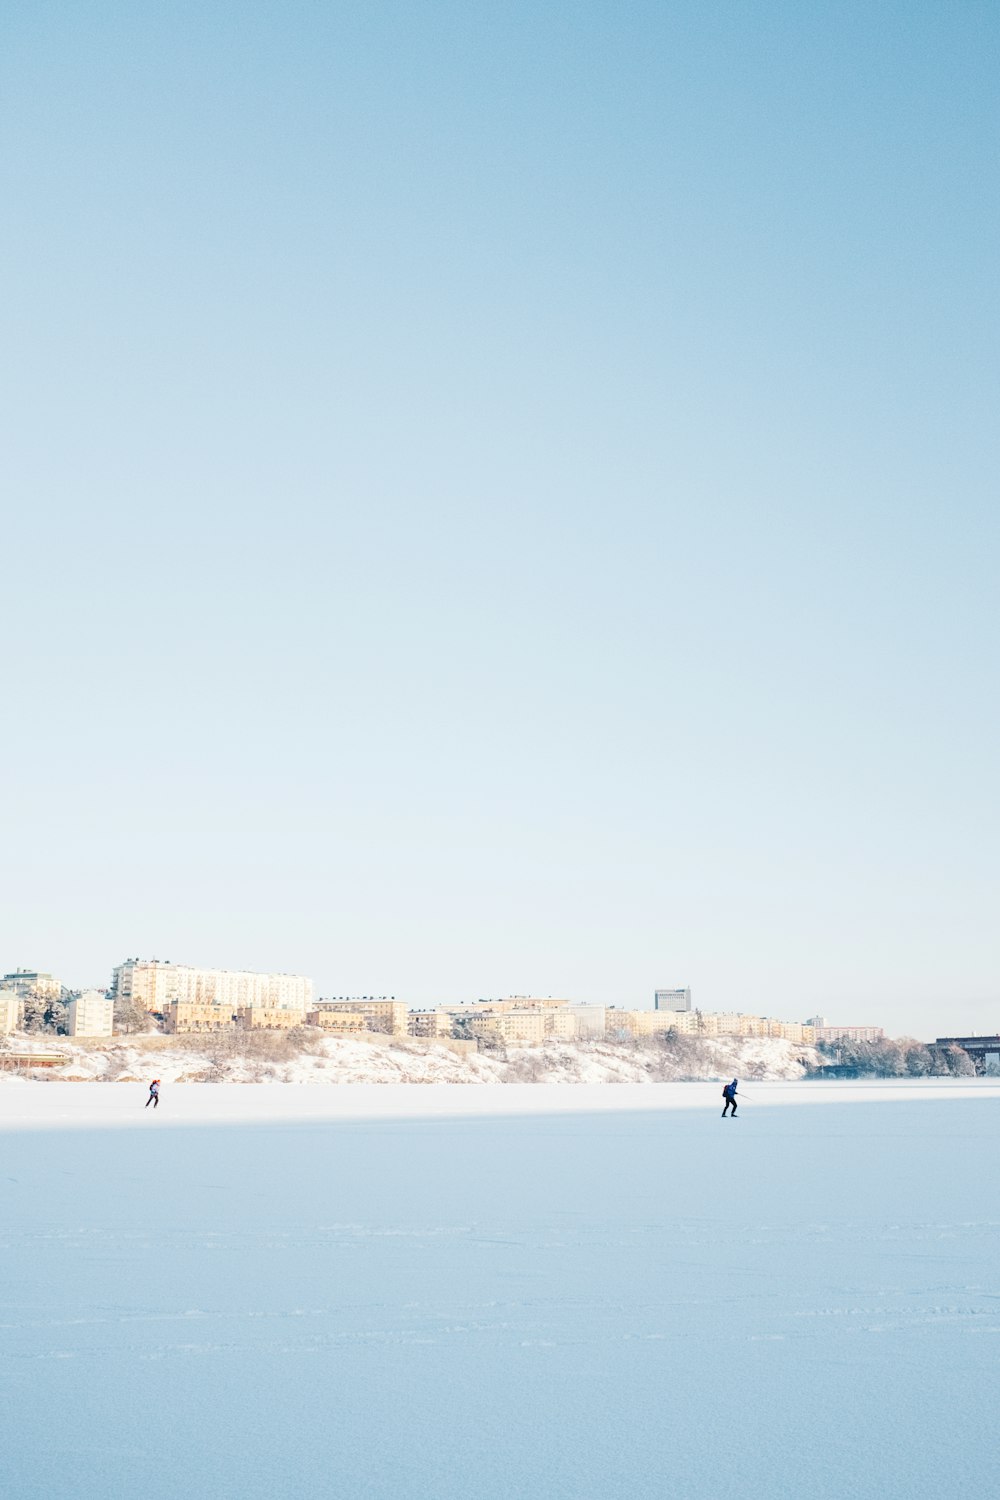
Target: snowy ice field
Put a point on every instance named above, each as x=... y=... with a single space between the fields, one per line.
x=478 y=1292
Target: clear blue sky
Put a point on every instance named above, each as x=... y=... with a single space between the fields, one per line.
x=503 y=497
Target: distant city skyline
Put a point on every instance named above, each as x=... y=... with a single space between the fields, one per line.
x=506 y=500
x=161 y=981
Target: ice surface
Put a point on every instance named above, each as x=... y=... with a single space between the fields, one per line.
x=486 y=1292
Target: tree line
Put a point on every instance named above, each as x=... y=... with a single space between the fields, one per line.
x=902 y=1058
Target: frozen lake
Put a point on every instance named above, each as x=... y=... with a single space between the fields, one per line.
x=485 y=1292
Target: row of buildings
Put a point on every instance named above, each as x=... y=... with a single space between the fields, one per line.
x=190 y=999
x=526 y=1021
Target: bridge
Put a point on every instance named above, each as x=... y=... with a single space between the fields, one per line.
x=984 y=1050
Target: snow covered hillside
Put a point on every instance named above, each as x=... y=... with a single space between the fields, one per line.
x=498 y=1294
x=188 y=1059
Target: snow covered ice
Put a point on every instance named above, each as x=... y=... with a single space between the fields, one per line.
x=471 y=1292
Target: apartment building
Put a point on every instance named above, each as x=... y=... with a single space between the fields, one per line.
x=526 y=1002
x=526 y=1027
x=191 y=1015
x=796 y=1031
x=736 y=1023
x=639 y=1022
x=268 y=1017
x=10 y=1011
x=183 y=1016
x=339 y=1022
x=560 y=1025
x=159 y=984
x=430 y=1023
x=90 y=1014
x=685 y=1022
x=652 y=1022
x=30 y=982
x=523 y=1020
x=824 y=1033
x=446 y=1020
x=383 y=1015
x=591 y=1020
x=522 y=1026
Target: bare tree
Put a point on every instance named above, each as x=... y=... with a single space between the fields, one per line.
x=130 y=1015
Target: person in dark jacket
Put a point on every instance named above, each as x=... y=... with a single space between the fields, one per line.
x=729 y=1094
x=154 y=1094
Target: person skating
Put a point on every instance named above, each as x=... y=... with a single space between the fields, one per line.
x=729 y=1094
x=154 y=1095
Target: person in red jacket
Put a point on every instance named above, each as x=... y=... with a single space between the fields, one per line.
x=154 y=1094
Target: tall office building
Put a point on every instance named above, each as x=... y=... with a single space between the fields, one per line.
x=672 y=999
x=156 y=985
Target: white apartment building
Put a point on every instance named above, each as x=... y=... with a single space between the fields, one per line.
x=159 y=984
x=90 y=1014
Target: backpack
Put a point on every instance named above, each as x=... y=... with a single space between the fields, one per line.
x=725 y=1091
